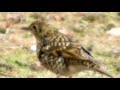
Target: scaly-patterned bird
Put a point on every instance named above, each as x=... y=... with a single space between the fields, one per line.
x=59 y=53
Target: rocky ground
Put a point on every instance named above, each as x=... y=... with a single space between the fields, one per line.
x=99 y=32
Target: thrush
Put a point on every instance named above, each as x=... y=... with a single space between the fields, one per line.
x=60 y=53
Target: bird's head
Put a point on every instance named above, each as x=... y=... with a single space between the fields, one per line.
x=38 y=28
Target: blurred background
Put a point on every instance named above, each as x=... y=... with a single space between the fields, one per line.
x=98 y=32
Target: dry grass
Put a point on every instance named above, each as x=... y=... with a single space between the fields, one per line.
x=89 y=28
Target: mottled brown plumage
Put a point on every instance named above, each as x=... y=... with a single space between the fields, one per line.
x=59 y=53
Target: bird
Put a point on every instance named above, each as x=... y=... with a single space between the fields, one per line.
x=61 y=54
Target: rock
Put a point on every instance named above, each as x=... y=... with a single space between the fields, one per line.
x=21 y=63
x=114 y=32
x=4 y=30
x=15 y=18
x=36 y=66
x=6 y=65
x=7 y=30
x=56 y=17
x=90 y=48
x=116 y=53
x=117 y=66
x=110 y=26
x=33 y=48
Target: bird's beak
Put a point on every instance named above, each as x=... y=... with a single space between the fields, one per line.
x=25 y=28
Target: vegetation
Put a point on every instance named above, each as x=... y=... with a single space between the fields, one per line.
x=90 y=28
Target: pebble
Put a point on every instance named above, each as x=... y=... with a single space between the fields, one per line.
x=33 y=48
x=114 y=32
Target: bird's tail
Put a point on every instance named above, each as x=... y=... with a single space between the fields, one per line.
x=100 y=70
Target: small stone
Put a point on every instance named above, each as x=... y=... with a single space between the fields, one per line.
x=36 y=66
x=7 y=31
x=33 y=48
x=21 y=63
x=114 y=32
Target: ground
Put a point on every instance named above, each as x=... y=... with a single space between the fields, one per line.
x=18 y=60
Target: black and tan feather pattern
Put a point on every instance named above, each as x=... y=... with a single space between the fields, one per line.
x=61 y=54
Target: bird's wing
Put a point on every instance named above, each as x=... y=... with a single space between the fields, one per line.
x=81 y=55
x=72 y=52
x=63 y=46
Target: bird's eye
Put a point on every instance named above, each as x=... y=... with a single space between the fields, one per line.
x=34 y=27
